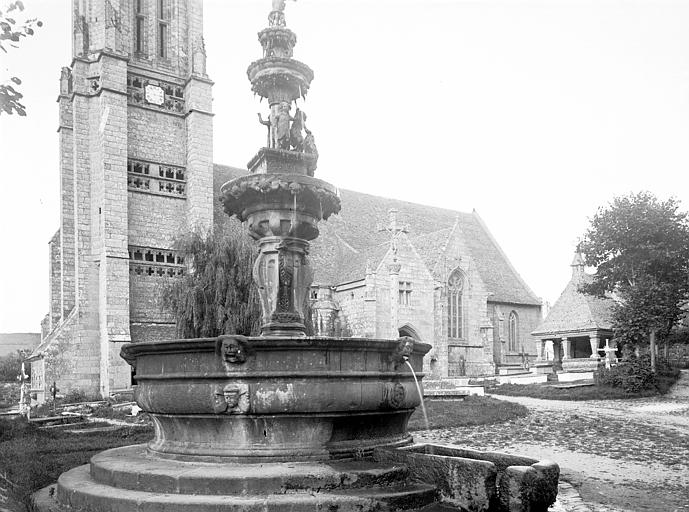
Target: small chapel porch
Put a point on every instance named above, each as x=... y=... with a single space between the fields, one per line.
x=576 y=353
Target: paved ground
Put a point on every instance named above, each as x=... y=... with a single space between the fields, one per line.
x=620 y=455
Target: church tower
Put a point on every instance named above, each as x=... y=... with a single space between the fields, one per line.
x=136 y=170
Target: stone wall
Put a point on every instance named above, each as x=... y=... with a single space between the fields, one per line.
x=71 y=360
x=528 y=319
x=55 y=281
x=350 y=299
x=471 y=354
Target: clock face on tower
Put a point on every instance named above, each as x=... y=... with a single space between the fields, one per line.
x=154 y=94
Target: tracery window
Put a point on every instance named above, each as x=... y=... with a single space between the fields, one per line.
x=455 y=306
x=513 y=332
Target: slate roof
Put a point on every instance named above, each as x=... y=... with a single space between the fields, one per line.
x=11 y=342
x=348 y=240
x=576 y=312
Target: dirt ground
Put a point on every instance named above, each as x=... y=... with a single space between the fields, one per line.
x=621 y=455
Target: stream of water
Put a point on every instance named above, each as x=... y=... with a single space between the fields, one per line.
x=423 y=406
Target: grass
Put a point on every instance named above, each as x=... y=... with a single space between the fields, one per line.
x=32 y=458
x=472 y=411
x=596 y=392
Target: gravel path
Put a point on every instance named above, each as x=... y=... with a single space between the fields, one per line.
x=621 y=455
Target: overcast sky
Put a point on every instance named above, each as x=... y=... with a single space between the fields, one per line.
x=532 y=112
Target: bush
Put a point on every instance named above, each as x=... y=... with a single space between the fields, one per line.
x=74 y=396
x=11 y=366
x=634 y=375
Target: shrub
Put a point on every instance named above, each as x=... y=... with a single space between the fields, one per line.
x=74 y=396
x=634 y=375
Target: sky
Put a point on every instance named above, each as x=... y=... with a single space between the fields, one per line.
x=535 y=113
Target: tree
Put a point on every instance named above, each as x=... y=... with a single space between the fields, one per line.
x=11 y=365
x=217 y=294
x=640 y=248
x=11 y=32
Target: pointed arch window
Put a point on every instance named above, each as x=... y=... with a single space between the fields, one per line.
x=513 y=331
x=455 y=305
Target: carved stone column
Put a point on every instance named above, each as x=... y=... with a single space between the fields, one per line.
x=283 y=277
x=540 y=350
x=565 y=348
x=595 y=341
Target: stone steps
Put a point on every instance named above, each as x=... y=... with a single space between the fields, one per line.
x=132 y=468
x=79 y=491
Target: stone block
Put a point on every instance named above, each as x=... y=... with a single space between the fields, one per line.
x=480 y=480
x=469 y=483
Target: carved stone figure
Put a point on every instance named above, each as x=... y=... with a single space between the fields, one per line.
x=282 y=126
x=310 y=148
x=269 y=140
x=394 y=395
x=232 y=349
x=296 y=139
x=403 y=351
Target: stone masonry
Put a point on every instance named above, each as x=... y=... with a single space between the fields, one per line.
x=135 y=130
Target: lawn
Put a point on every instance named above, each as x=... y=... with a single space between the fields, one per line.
x=473 y=410
x=32 y=458
x=595 y=392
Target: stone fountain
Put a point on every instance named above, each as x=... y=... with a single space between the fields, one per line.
x=283 y=421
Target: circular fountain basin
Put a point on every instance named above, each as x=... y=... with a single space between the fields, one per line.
x=275 y=398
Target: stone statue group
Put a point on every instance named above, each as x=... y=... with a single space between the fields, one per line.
x=287 y=132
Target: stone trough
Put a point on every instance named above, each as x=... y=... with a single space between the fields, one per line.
x=475 y=480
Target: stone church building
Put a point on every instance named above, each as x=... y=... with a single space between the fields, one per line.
x=136 y=170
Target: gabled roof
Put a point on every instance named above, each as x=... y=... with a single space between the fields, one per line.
x=575 y=311
x=348 y=240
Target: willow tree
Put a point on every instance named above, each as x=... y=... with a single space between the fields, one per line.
x=640 y=248
x=216 y=295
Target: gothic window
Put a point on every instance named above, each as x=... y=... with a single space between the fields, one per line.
x=163 y=27
x=405 y=293
x=455 y=306
x=139 y=27
x=513 y=332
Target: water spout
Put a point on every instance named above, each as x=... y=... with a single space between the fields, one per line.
x=418 y=387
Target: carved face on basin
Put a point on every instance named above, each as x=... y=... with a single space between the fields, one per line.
x=231 y=394
x=233 y=350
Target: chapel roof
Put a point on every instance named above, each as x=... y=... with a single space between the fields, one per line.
x=575 y=311
x=349 y=240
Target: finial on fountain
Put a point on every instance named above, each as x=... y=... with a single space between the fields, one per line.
x=276 y=18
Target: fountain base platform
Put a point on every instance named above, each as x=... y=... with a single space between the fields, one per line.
x=132 y=479
x=420 y=478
